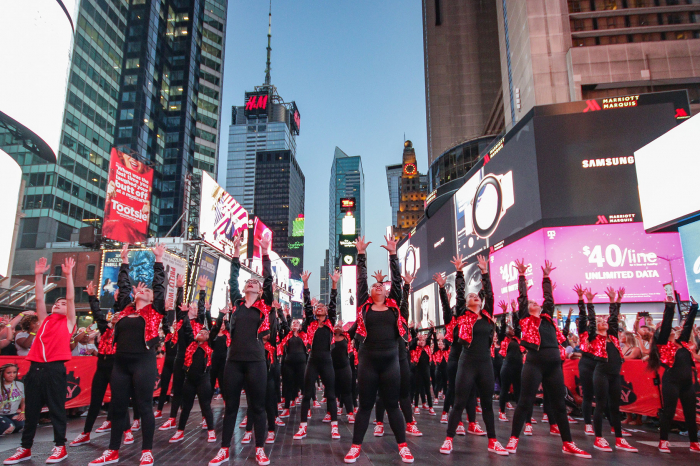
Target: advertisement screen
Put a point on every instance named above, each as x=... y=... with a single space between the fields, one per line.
x=140 y=271
x=260 y=230
x=297 y=290
x=414 y=257
x=9 y=193
x=690 y=240
x=219 y=298
x=594 y=256
x=500 y=198
x=348 y=293
x=207 y=267
x=128 y=201
x=667 y=171
x=425 y=307
x=442 y=242
x=221 y=217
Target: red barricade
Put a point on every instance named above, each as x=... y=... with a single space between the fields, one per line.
x=639 y=393
x=80 y=370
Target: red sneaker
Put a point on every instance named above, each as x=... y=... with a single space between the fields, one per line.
x=108 y=457
x=351 y=418
x=379 y=429
x=22 y=454
x=432 y=412
x=512 y=445
x=624 y=432
x=247 y=437
x=211 y=436
x=446 y=447
x=601 y=444
x=317 y=404
x=301 y=433
x=443 y=418
x=478 y=410
x=340 y=411
x=502 y=417
x=81 y=439
x=128 y=437
x=533 y=421
x=169 y=424
x=292 y=404
x=58 y=454
x=220 y=458
x=425 y=406
x=695 y=447
x=554 y=429
x=261 y=457
x=178 y=437
x=323 y=400
x=412 y=429
x=105 y=427
x=589 y=430
x=545 y=418
x=475 y=429
x=335 y=433
x=353 y=454
x=622 y=445
x=136 y=426
x=405 y=453
x=460 y=429
x=572 y=420
x=146 y=458
x=270 y=437
x=327 y=417
x=308 y=415
x=284 y=413
x=203 y=424
x=416 y=410
x=528 y=429
x=570 y=448
x=496 y=447
x=509 y=406
x=158 y=414
x=664 y=446
x=279 y=422
x=243 y=423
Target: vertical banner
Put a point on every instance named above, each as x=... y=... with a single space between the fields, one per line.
x=128 y=201
x=207 y=267
x=348 y=293
x=260 y=230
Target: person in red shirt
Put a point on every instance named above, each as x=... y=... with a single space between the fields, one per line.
x=45 y=383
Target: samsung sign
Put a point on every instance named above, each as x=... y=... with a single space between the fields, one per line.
x=690 y=241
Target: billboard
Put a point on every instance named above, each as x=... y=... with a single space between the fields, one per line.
x=9 y=193
x=595 y=256
x=347 y=204
x=297 y=287
x=667 y=170
x=348 y=293
x=208 y=265
x=140 y=271
x=298 y=226
x=441 y=243
x=221 y=217
x=259 y=231
x=128 y=201
x=257 y=104
x=690 y=241
x=425 y=306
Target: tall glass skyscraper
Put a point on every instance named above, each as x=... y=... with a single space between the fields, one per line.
x=145 y=76
x=347 y=181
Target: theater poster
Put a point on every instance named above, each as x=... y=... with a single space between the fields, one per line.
x=128 y=201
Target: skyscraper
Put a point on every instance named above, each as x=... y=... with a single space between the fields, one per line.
x=393 y=182
x=145 y=76
x=347 y=182
x=412 y=194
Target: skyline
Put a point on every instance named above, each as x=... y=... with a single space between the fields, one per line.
x=348 y=68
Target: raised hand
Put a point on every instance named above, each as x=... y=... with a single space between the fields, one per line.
x=521 y=267
x=590 y=295
x=379 y=276
x=483 y=264
x=503 y=305
x=305 y=277
x=237 y=246
x=139 y=288
x=202 y=282
x=408 y=278
x=458 y=262
x=571 y=311
x=67 y=266
x=390 y=245
x=610 y=291
x=578 y=289
x=547 y=269
x=439 y=279
x=180 y=282
x=265 y=243
x=620 y=294
x=159 y=252
x=314 y=302
x=514 y=305
x=276 y=304
x=335 y=276
x=207 y=305
x=184 y=307
x=361 y=245
x=41 y=266
x=90 y=289
x=125 y=253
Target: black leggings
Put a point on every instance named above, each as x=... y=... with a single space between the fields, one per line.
x=423 y=384
x=543 y=366
x=440 y=382
x=404 y=395
x=379 y=372
x=678 y=385
x=100 y=382
x=510 y=376
x=586 y=368
x=141 y=371
x=473 y=373
x=45 y=384
x=165 y=376
x=343 y=387
x=452 y=366
x=196 y=385
x=293 y=374
x=216 y=372
x=178 y=383
x=322 y=367
x=251 y=375
x=607 y=385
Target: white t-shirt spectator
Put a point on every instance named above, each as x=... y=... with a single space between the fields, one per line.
x=21 y=351
x=10 y=398
x=83 y=350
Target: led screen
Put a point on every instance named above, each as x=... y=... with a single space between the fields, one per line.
x=297 y=290
x=221 y=218
x=690 y=240
x=348 y=293
x=424 y=307
x=9 y=193
x=219 y=298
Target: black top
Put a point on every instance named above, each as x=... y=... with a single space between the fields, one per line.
x=321 y=346
x=683 y=362
x=323 y=337
x=129 y=338
x=295 y=351
x=482 y=337
x=381 y=330
x=246 y=349
x=513 y=353
x=198 y=365
x=340 y=354
x=548 y=335
x=219 y=347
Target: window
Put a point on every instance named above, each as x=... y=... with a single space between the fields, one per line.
x=126 y=114
x=57 y=272
x=132 y=63
x=125 y=132
x=90 y=272
x=131 y=79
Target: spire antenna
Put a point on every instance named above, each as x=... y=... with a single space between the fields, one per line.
x=269 y=46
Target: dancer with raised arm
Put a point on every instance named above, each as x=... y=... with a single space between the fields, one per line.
x=512 y=367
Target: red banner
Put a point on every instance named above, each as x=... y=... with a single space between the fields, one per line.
x=639 y=394
x=128 y=202
x=80 y=370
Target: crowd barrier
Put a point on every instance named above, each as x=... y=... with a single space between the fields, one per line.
x=639 y=395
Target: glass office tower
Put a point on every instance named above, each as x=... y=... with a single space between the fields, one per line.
x=347 y=181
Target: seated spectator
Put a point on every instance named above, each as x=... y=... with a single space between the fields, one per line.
x=81 y=345
x=24 y=339
x=11 y=400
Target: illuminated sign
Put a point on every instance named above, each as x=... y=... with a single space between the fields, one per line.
x=347 y=204
x=295 y=118
x=431 y=197
x=410 y=169
x=298 y=226
x=497 y=148
x=256 y=103
x=349 y=224
x=296 y=245
x=608 y=162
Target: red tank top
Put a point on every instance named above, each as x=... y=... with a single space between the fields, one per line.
x=52 y=341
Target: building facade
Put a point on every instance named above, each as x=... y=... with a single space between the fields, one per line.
x=347 y=181
x=412 y=195
x=393 y=182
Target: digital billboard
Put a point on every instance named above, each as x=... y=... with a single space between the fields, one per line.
x=208 y=265
x=219 y=298
x=425 y=307
x=258 y=231
x=297 y=290
x=9 y=193
x=594 y=256
x=128 y=201
x=348 y=293
x=257 y=103
x=221 y=218
x=690 y=240
x=667 y=174
x=441 y=242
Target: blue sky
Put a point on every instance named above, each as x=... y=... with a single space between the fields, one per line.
x=355 y=69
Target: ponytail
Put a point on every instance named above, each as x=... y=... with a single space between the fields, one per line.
x=654 y=360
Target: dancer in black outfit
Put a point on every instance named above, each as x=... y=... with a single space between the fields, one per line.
x=341 y=366
x=170 y=349
x=136 y=338
x=421 y=355
x=586 y=365
x=476 y=330
x=293 y=348
x=512 y=363
x=318 y=326
x=220 y=348
x=670 y=350
x=607 y=383
x=440 y=357
x=542 y=365
x=245 y=366
x=379 y=321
